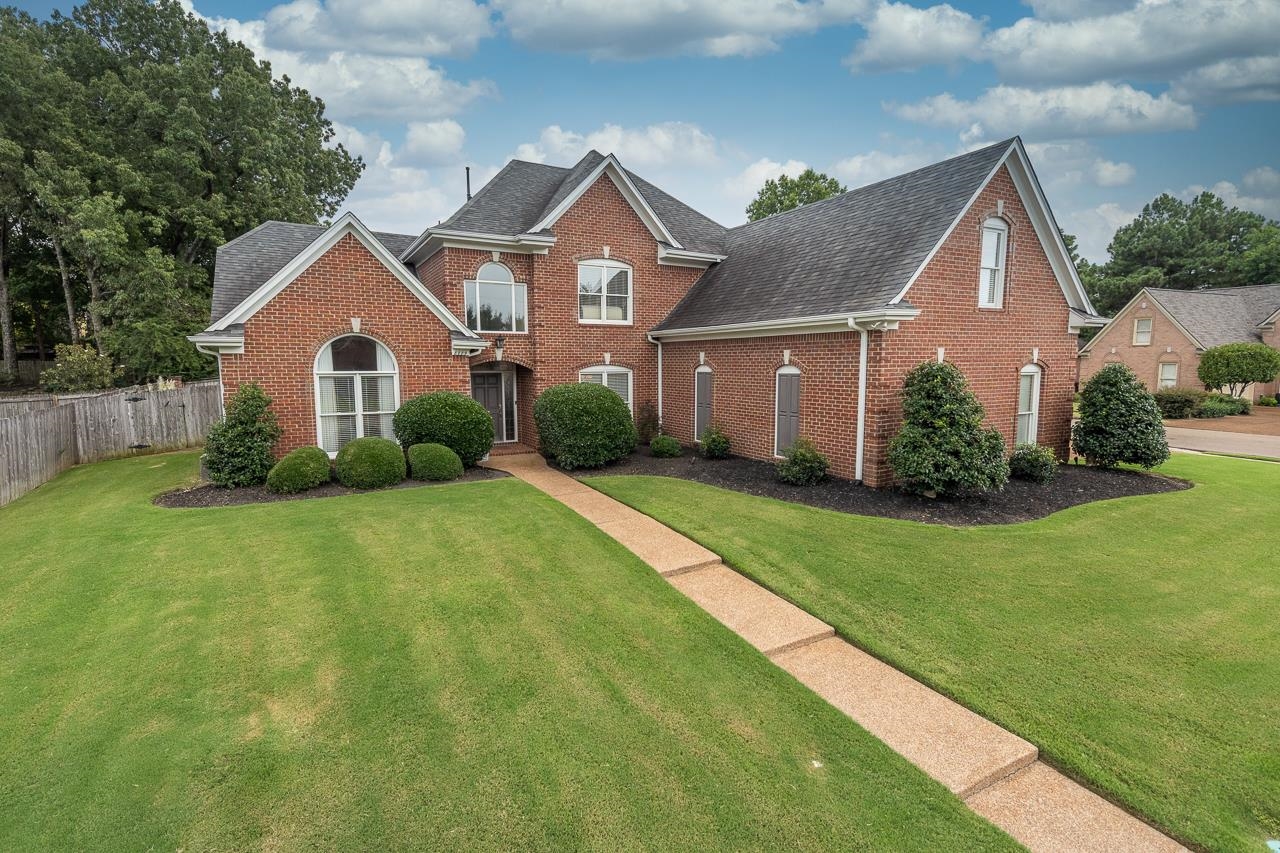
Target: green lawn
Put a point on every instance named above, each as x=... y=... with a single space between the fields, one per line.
x=1136 y=641
x=468 y=666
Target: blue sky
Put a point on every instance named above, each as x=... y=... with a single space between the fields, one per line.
x=1118 y=100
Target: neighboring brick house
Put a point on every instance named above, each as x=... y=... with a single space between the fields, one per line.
x=802 y=324
x=1161 y=333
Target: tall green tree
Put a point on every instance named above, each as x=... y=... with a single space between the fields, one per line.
x=787 y=193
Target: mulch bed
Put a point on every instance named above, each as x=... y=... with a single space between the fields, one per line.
x=207 y=494
x=1020 y=500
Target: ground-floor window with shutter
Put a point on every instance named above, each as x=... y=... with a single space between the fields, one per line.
x=786 y=409
x=701 y=401
x=1028 y=425
x=616 y=379
x=357 y=391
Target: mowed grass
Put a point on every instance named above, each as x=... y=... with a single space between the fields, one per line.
x=1136 y=641
x=467 y=667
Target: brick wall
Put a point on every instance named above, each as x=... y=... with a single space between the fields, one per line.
x=1168 y=344
x=284 y=337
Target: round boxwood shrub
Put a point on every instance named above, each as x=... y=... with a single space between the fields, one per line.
x=942 y=447
x=238 y=449
x=301 y=469
x=715 y=444
x=802 y=464
x=449 y=418
x=1178 y=403
x=1033 y=462
x=583 y=425
x=1119 y=421
x=1215 y=409
x=370 y=463
x=665 y=447
x=433 y=462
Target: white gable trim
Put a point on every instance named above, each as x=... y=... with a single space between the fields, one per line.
x=347 y=224
x=611 y=167
x=1124 y=313
x=1046 y=228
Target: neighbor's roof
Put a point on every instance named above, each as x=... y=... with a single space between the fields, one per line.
x=852 y=252
x=1223 y=315
x=247 y=262
x=522 y=194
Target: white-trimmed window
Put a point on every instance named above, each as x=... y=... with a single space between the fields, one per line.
x=357 y=391
x=604 y=292
x=995 y=244
x=786 y=409
x=495 y=301
x=616 y=379
x=1142 y=332
x=1028 y=425
x=1168 y=377
x=702 y=387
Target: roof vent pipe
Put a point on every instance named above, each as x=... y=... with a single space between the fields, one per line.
x=468 y=168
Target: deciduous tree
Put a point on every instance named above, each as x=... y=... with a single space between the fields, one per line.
x=786 y=193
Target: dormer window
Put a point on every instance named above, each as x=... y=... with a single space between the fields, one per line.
x=995 y=240
x=496 y=302
x=604 y=292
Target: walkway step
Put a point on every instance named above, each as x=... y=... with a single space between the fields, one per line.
x=764 y=620
x=1045 y=810
x=952 y=744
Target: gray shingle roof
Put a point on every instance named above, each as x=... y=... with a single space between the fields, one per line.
x=855 y=251
x=247 y=262
x=1221 y=316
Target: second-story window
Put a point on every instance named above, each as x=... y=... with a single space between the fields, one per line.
x=995 y=236
x=604 y=292
x=496 y=302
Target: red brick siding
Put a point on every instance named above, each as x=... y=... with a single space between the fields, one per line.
x=284 y=337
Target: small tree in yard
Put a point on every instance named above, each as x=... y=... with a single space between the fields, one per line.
x=1119 y=421
x=238 y=449
x=1231 y=367
x=79 y=368
x=942 y=447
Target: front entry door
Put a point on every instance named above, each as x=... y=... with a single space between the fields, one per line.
x=486 y=389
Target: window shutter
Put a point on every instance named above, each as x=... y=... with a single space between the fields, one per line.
x=788 y=426
x=702 y=404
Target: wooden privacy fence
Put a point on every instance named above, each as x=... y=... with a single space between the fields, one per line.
x=42 y=436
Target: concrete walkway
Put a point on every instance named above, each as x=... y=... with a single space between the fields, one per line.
x=994 y=771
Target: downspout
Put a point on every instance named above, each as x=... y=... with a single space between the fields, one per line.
x=659 y=385
x=862 y=402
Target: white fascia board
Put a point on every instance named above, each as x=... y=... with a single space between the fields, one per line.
x=611 y=167
x=882 y=318
x=433 y=241
x=668 y=256
x=217 y=344
x=468 y=348
x=347 y=224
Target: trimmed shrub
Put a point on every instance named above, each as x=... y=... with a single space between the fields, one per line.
x=1215 y=409
x=370 y=463
x=434 y=462
x=1119 y=421
x=238 y=449
x=299 y=470
x=1178 y=403
x=802 y=465
x=942 y=447
x=79 y=368
x=583 y=425
x=1231 y=367
x=449 y=418
x=715 y=444
x=1033 y=462
x=647 y=425
x=1238 y=405
x=665 y=447
x=1268 y=402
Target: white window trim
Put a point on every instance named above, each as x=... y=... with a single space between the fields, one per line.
x=702 y=368
x=604 y=369
x=513 y=284
x=1151 y=330
x=785 y=370
x=606 y=263
x=317 y=375
x=1160 y=386
x=1033 y=429
x=1001 y=228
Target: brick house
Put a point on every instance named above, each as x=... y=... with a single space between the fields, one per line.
x=1161 y=333
x=802 y=324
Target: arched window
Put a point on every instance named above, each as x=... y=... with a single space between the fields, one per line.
x=702 y=379
x=604 y=292
x=357 y=391
x=495 y=301
x=786 y=409
x=616 y=379
x=995 y=240
x=1028 y=426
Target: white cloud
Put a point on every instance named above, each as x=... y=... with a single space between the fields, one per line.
x=1066 y=10
x=741 y=188
x=1094 y=228
x=607 y=29
x=1260 y=192
x=1107 y=173
x=902 y=37
x=1058 y=113
x=1152 y=40
x=386 y=27
x=1254 y=79
x=1073 y=163
x=433 y=143
x=862 y=169
x=672 y=143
